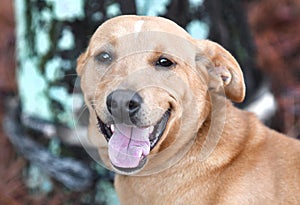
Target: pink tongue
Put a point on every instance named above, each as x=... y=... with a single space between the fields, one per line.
x=128 y=145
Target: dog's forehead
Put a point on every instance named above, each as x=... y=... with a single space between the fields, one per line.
x=131 y=24
x=143 y=32
x=124 y=25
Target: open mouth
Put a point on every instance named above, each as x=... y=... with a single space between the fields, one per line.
x=157 y=130
x=128 y=147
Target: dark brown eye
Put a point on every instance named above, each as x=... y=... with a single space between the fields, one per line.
x=164 y=62
x=104 y=57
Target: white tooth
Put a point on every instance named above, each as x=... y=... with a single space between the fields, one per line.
x=112 y=127
x=151 y=129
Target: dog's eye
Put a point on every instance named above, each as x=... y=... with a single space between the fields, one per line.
x=164 y=62
x=104 y=57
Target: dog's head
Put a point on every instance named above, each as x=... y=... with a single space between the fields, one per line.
x=147 y=84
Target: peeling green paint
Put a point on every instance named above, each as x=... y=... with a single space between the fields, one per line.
x=53 y=69
x=194 y=3
x=32 y=90
x=42 y=23
x=61 y=95
x=151 y=8
x=40 y=70
x=97 y=16
x=21 y=26
x=66 y=42
x=68 y=9
x=113 y=10
x=46 y=15
x=31 y=83
x=42 y=42
x=38 y=181
x=67 y=65
x=198 y=29
x=55 y=146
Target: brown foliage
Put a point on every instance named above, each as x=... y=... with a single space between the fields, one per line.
x=7 y=46
x=276 y=28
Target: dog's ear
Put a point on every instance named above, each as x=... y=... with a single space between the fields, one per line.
x=222 y=69
x=81 y=60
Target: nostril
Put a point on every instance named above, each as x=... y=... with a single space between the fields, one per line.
x=133 y=106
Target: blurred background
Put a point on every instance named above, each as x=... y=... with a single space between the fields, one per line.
x=42 y=161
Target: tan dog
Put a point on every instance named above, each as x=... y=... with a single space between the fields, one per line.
x=159 y=113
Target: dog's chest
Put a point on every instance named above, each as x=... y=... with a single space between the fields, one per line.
x=179 y=188
x=143 y=190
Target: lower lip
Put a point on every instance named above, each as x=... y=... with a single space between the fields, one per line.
x=133 y=170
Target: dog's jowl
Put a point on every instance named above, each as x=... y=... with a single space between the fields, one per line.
x=162 y=118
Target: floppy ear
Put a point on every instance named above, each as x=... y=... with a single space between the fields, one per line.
x=81 y=60
x=222 y=69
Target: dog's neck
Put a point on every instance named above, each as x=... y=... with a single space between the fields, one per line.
x=214 y=142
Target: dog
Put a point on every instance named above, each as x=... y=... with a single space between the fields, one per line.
x=161 y=116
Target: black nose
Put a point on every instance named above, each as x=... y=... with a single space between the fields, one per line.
x=123 y=105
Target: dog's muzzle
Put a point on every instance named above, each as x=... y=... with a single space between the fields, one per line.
x=128 y=144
